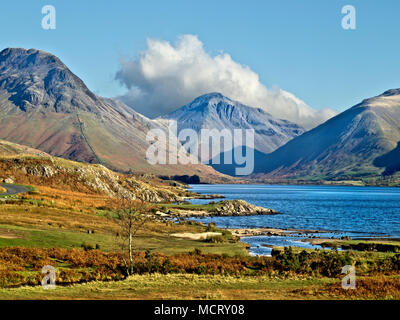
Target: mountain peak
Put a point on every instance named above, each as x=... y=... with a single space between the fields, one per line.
x=216 y=111
x=211 y=95
x=389 y=99
x=391 y=92
x=36 y=79
x=20 y=58
x=209 y=98
x=23 y=51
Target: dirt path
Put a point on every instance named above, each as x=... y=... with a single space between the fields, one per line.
x=12 y=189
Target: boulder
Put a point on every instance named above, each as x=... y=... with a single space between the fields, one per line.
x=9 y=180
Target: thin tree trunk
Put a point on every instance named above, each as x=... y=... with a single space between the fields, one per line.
x=130 y=244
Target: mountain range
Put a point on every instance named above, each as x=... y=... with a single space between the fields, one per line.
x=362 y=141
x=45 y=106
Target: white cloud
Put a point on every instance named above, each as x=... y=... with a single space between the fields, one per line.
x=166 y=76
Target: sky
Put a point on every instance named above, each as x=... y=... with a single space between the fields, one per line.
x=298 y=46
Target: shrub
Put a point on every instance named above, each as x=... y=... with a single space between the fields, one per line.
x=215 y=239
x=87 y=246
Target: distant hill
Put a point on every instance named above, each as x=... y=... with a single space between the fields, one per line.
x=360 y=142
x=45 y=106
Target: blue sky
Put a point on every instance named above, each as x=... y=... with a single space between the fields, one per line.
x=296 y=45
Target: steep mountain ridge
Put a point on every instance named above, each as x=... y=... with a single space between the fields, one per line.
x=45 y=106
x=348 y=145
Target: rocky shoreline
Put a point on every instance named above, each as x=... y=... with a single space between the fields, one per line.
x=226 y=208
x=254 y=232
x=209 y=196
x=240 y=208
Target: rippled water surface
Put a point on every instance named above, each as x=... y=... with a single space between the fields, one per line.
x=345 y=210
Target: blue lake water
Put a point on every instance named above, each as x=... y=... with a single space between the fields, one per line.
x=343 y=210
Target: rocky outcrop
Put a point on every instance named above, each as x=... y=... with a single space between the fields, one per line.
x=225 y=208
x=81 y=177
x=239 y=208
x=7 y=180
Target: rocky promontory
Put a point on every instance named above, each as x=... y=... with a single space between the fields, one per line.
x=239 y=208
x=222 y=208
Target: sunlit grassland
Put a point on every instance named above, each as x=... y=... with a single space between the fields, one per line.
x=50 y=218
x=215 y=287
x=54 y=218
x=176 y=286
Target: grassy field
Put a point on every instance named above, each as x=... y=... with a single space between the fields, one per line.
x=174 y=286
x=210 y=287
x=54 y=218
x=51 y=218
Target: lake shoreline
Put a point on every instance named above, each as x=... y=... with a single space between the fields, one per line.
x=311 y=214
x=252 y=232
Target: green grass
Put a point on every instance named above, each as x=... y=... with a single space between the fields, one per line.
x=106 y=214
x=389 y=246
x=42 y=238
x=184 y=206
x=51 y=238
x=176 y=286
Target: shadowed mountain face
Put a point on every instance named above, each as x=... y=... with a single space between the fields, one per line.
x=349 y=145
x=390 y=161
x=45 y=106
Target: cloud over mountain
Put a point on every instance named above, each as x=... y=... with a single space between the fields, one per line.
x=166 y=76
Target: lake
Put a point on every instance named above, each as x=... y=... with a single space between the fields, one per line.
x=342 y=210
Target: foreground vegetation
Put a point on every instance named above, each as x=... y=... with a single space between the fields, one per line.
x=174 y=286
x=22 y=266
x=76 y=232
x=92 y=274
x=209 y=287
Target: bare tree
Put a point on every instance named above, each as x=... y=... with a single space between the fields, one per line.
x=132 y=216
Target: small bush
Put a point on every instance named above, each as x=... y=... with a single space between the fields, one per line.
x=215 y=239
x=87 y=246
